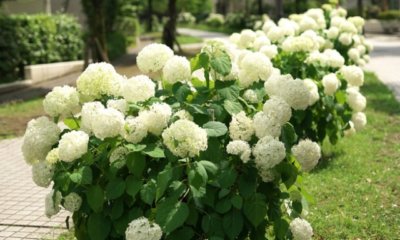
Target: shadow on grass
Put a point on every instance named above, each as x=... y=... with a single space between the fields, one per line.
x=379 y=97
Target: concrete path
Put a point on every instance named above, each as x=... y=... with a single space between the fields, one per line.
x=201 y=34
x=385 y=61
x=21 y=201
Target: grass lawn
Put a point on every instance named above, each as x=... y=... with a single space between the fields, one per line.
x=357 y=189
x=182 y=39
x=15 y=116
x=204 y=27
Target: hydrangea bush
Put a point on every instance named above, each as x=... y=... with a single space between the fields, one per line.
x=325 y=50
x=211 y=148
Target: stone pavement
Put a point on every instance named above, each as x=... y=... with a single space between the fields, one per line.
x=21 y=201
x=385 y=60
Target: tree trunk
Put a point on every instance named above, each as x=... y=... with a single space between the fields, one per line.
x=278 y=9
x=47 y=6
x=169 y=32
x=297 y=6
x=360 y=8
x=96 y=42
x=260 y=7
x=149 y=15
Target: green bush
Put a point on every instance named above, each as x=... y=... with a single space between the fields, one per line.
x=35 y=39
x=389 y=15
x=239 y=21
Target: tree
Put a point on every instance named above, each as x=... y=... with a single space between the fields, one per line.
x=149 y=15
x=260 y=7
x=360 y=8
x=278 y=9
x=169 y=31
x=96 y=45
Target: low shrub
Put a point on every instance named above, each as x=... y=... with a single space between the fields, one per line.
x=35 y=39
x=215 y=20
x=186 y=18
x=389 y=15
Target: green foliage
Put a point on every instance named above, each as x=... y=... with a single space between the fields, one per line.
x=389 y=15
x=35 y=39
x=214 y=195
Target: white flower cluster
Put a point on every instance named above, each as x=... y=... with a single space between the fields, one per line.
x=117 y=157
x=72 y=202
x=40 y=135
x=52 y=203
x=142 y=229
x=307 y=153
x=177 y=69
x=138 y=89
x=241 y=127
x=184 y=138
x=156 y=118
x=73 y=145
x=62 y=101
x=301 y=229
x=42 y=173
x=153 y=57
x=268 y=152
x=240 y=148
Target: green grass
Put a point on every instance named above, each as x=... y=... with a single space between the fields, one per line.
x=14 y=116
x=357 y=189
x=67 y=236
x=182 y=39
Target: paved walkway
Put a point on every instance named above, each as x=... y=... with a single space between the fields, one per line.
x=385 y=61
x=21 y=201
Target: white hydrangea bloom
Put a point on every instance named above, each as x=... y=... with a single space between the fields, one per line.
x=89 y=115
x=273 y=86
x=356 y=100
x=261 y=42
x=359 y=120
x=99 y=79
x=117 y=157
x=184 y=138
x=52 y=203
x=332 y=33
x=153 y=57
x=40 y=135
x=247 y=38
x=250 y=96
x=353 y=75
x=336 y=21
x=331 y=83
x=361 y=49
x=72 y=202
x=313 y=88
x=134 y=130
x=307 y=153
x=267 y=175
x=345 y=39
x=138 y=89
x=351 y=130
x=301 y=229
x=333 y=58
x=177 y=69
x=52 y=157
x=266 y=126
x=277 y=109
x=253 y=67
x=268 y=152
x=361 y=62
x=295 y=93
x=61 y=101
x=348 y=27
x=307 y=23
x=268 y=25
x=42 y=173
x=239 y=148
x=108 y=123
x=142 y=229
x=118 y=104
x=156 y=118
x=241 y=127
x=234 y=38
x=270 y=51
x=276 y=34
x=73 y=145
x=354 y=54
x=299 y=44
x=183 y=114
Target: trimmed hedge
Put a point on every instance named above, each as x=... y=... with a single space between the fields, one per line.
x=35 y=39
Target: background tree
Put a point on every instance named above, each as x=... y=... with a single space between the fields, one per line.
x=169 y=31
x=278 y=9
x=360 y=8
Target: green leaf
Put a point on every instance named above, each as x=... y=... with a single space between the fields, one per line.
x=223 y=205
x=255 y=209
x=148 y=192
x=154 y=151
x=221 y=63
x=209 y=166
x=200 y=61
x=247 y=184
x=230 y=93
x=135 y=147
x=232 y=107
x=185 y=233
x=163 y=179
x=233 y=224
x=98 y=226
x=133 y=185
x=288 y=136
x=237 y=201
x=181 y=91
x=115 y=188
x=227 y=178
x=95 y=197
x=281 y=227
x=71 y=123
x=136 y=163
x=117 y=209
x=171 y=214
x=197 y=176
x=215 y=129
